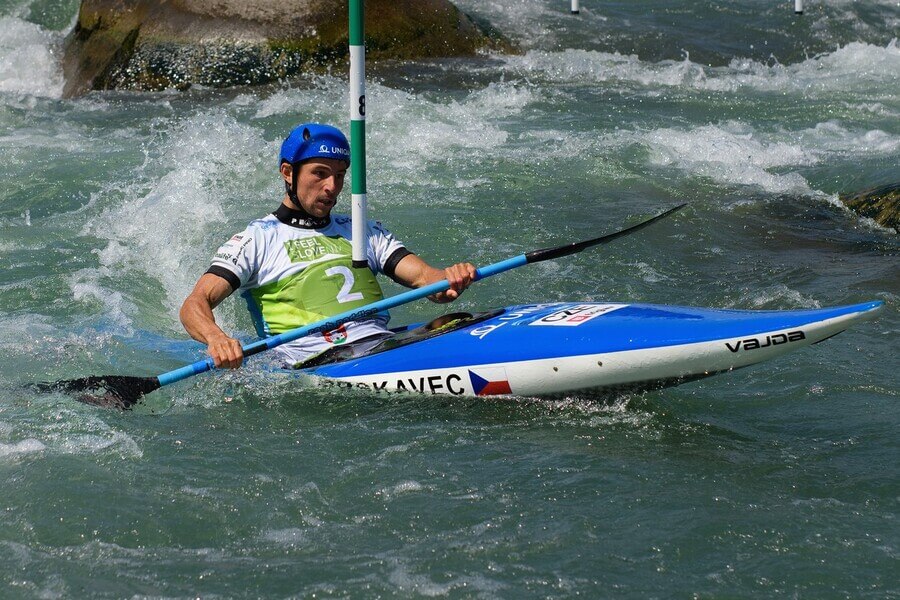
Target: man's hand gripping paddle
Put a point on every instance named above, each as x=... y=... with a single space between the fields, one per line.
x=122 y=391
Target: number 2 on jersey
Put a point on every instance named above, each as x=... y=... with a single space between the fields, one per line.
x=345 y=295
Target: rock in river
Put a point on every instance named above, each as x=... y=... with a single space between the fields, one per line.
x=160 y=44
x=881 y=204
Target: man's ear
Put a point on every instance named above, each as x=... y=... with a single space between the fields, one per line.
x=286 y=171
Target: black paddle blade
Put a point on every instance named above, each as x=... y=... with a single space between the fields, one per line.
x=567 y=249
x=111 y=391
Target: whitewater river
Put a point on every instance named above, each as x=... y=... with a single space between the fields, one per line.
x=776 y=481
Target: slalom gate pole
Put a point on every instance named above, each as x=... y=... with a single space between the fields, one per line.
x=359 y=211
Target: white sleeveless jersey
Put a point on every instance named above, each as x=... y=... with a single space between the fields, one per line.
x=292 y=274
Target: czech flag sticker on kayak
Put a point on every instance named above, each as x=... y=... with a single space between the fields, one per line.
x=490 y=382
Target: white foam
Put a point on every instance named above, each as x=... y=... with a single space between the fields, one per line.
x=731 y=153
x=833 y=137
x=29 y=63
x=121 y=442
x=875 y=108
x=855 y=66
x=397 y=449
x=779 y=296
x=432 y=131
x=576 y=65
x=25 y=334
x=202 y=492
x=72 y=432
x=307 y=489
x=735 y=153
x=288 y=537
x=65 y=139
x=647 y=273
x=27 y=446
x=322 y=99
x=87 y=286
x=528 y=20
x=199 y=167
x=408 y=582
x=499 y=99
x=404 y=487
x=408 y=132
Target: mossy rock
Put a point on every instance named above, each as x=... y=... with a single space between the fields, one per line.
x=152 y=45
x=881 y=204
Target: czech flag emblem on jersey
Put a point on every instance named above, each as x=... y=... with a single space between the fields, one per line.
x=490 y=382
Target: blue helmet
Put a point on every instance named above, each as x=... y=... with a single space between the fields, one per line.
x=312 y=140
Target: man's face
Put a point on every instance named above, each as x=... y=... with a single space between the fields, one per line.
x=319 y=184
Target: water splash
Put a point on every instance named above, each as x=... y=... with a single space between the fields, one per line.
x=181 y=199
x=857 y=66
x=29 y=59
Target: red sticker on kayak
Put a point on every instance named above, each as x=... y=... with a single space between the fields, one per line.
x=577 y=314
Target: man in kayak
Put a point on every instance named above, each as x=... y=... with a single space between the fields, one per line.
x=294 y=266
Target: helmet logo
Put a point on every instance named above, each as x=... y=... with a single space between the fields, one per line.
x=338 y=150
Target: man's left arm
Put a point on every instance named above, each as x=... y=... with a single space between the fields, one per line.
x=414 y=272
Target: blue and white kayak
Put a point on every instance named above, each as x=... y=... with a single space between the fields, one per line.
x=562 y=348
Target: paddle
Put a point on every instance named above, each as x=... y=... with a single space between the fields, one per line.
x=122 y=391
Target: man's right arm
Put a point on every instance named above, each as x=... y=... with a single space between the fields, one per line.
x=197 y=318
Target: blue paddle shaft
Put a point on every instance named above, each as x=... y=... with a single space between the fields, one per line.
x=207 y=364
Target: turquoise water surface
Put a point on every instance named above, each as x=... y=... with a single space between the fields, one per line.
x=780 y=480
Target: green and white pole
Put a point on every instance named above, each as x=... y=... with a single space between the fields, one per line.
x=358 y=132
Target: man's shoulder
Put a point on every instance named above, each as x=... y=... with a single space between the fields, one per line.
x=266 y=223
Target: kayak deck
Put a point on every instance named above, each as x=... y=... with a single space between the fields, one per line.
x=560 y=348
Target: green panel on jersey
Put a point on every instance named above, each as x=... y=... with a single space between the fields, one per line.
x=320 y=291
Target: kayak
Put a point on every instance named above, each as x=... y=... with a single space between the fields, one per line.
x=546 y=350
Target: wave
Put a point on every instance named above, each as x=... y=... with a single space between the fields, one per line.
x=170 y=203
x=856 y=66
x=409 y=132
x=67 y=432
x=29 y=59
x=27 y=446
x=736 y=153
